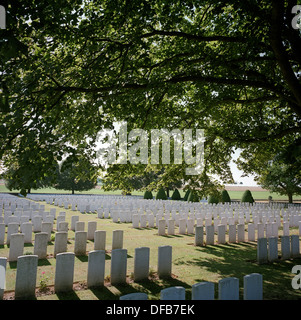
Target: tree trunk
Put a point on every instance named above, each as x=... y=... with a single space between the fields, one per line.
x=72 y=190
x=28 y=191
x=290 y=198
x=167 y=192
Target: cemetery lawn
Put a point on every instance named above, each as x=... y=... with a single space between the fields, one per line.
x=190 y=264
x=234 y=193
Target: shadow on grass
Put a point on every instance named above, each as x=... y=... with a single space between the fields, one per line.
x=103 y=293
x=82 y=258
x=172 y=236
x=12 y=264
x=43 y=262
x=69 y=295
x=240 y=259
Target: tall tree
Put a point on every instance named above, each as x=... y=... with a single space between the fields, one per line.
x=283 y=179
x=70 y=68
x=79 y=175
x=280 y=172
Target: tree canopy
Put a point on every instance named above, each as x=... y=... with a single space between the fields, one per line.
x=70 y=68
x=76 y=175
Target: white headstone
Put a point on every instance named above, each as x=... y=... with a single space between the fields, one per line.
x=92 y=226
x=40 y=245
x=285 y=248
x=151 y=220
x=37 y=223
x=161 y=227
x=240 y=233
x=251 y=232
x=272 y=249
x=228 y=289
x=62 y=226
x=202 y=291
x=11 y=228
x=262 y=250
x=118 y=266
x=221 y=234
x=135 y=221
x=3 y=261
x=253 y=287
x=60 y=242
x=16 y=246
x=143 y=221
x=232 y=232
x=171 y=227
x=80 y=243
x=134 y=296
x=260 y=230
x=173 y=293
x=164 y=261
x=275 y=229
x=80 y=226
x=286 y=230
x=117 y=241
x=74 y=219
x=26 y=228
x=295 y=248
x=209 y=235
x=199 y=236
x=47 y=228
x=100 y=240
x=26 y=276
x=64 y=272
x=190 y=226
x=2 y=233
x=182 y=226
x=96 y=268
x=141 y=263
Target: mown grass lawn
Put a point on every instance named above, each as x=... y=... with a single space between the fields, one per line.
x=234 y=195
x=190 y=264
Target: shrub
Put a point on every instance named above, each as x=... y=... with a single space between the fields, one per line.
x=247 y=197
x=213 y=199
x=161 y=195
x=193 y=197
x=176 y=195
x=148 y=195
x=43 y=282
x=186 y=195
x=225 y=196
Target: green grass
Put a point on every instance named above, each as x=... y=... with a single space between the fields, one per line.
x=261 y=195
x=234 y=195
x=190 y=264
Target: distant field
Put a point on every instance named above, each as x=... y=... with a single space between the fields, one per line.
x=235 y=193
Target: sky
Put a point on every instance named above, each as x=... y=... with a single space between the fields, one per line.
x=247 y=181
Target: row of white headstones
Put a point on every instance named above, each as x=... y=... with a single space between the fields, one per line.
x=193 y=209
x=26 y=276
